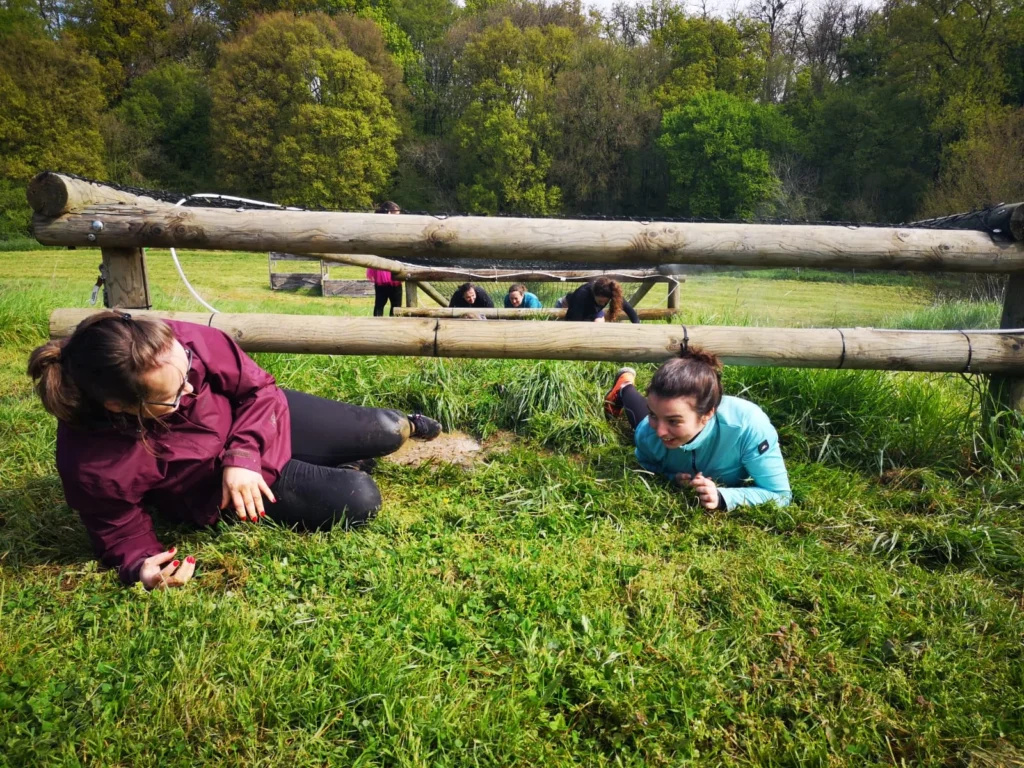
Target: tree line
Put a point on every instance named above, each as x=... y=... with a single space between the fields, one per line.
x=833 y=111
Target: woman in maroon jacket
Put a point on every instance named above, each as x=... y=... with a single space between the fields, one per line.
x=176 y=417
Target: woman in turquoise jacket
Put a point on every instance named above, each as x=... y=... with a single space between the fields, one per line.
x=520 y=298
x=724 y=448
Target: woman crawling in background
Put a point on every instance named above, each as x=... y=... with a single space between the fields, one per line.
x=469 y=295
x=598 y=301
x=689 y=432
x=520 y=298
x=175 y=416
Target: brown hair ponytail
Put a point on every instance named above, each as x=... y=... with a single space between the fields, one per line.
x=58 y=393
x=605 y=286
x=695 y=373
x=103 y=360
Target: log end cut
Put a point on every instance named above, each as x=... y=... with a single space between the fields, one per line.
x=48 y=194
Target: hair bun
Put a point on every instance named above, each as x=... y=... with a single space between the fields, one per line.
x=702 y=356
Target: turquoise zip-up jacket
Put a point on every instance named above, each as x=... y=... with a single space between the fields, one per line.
x=530 y=301
x=737 y=445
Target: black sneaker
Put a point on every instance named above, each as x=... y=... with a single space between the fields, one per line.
x=424 y=427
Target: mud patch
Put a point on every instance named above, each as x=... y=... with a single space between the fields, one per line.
x=449 y=448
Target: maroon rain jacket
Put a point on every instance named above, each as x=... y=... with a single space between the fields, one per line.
x=237 y=418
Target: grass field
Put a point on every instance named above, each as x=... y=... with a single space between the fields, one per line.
x=553 y=605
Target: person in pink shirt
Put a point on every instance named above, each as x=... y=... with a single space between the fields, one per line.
x=385 y=287
x=174 y=418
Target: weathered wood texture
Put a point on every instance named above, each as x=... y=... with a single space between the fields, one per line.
x=533 y=276
x=349 y=288
x=507 y=313
x=860 y=348
x=294 y=281
x=672 y=302
x=127 y=284
x=597 y=242
x=412 y=298
x=1008 y=391
x=52 y=194
x=433 y=293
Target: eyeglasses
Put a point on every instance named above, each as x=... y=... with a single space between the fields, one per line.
x=181 y=390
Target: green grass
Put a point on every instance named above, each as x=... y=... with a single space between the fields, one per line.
x=554 y=605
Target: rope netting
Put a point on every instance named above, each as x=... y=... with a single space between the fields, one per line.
x=547 y=293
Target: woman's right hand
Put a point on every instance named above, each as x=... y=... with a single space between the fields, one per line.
x=154 y=574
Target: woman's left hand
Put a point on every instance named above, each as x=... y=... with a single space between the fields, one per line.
x=244 y=490
x=707 y=491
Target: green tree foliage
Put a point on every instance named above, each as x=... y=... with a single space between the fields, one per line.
x=719 y=147
x=50 y=104
x=505 y=134
x=985 y=168
x=124 y=35
x=166 y=115
x=874 y=151
x=606 y=118
x=300 y=118
x=707 y=54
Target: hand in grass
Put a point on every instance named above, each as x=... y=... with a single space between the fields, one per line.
x=707 y=491
x=244 y=490
x=154 y=574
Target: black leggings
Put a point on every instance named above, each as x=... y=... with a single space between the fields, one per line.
x=384 y=293
x=313 y=492
x=634 y=404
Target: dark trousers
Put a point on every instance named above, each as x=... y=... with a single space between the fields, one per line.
x=313 y=492
x=634 y=405
x=382 y=295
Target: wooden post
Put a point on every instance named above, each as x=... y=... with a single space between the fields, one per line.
x=127 y=285
x=673 y=295
x=1006 y=391
x=412 y=298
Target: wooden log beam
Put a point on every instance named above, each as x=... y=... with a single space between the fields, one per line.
x=432 y=292
x=625 y=243
x=52 y=194
x=412 y=298
x=860 y=348
x=532 y=276
x=510 y=313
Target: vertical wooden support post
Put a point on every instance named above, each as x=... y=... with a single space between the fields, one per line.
x=673 y=295
x=412 y=297
x=1007 y=392
x=127 y=283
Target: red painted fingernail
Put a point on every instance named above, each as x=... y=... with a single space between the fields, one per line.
x=175 y=564
x=172 y=550
x=190 y=560
x=263 y=514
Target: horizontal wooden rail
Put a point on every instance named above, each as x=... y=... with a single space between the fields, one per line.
x=861 y=348
x=120 y=223
x=510 y=313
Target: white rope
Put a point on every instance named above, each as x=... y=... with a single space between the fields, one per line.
x=174 y=253
x=181 y=273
